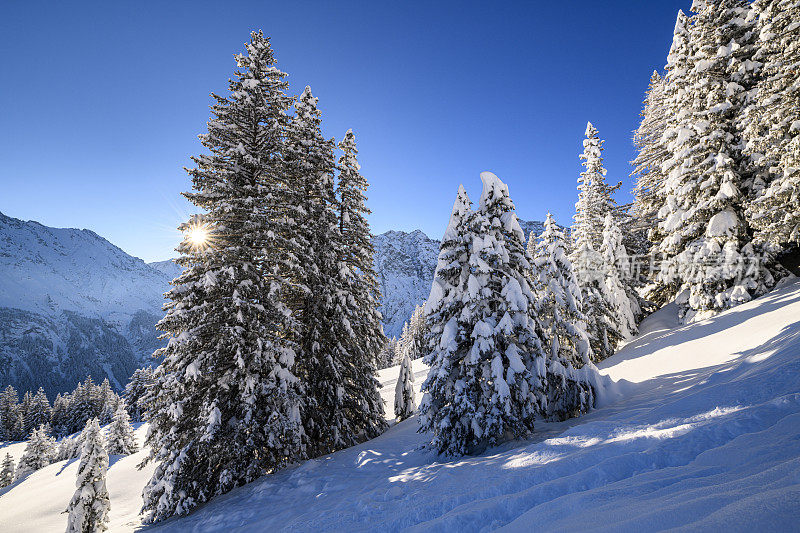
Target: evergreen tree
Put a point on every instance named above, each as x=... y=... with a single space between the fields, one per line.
x=9 y=408
x=417 y=333
x=60 y=417
x=121 y=440
x=404 y=403
x=563 y=325
x=137 y=388
x=356 y=249
x=651 y=152
x=563 y=322
x=39 y=412
x=603 y=325
x=616 y=258
x=39 y=452
x=342 y=405
x=594 y=194
x=68 y=448
x=447 y=340
x=7 y=471
x=496 y=386
x=387 y=355
x=24 y=413
x=88 y=509
x=771 y=124
x=225 y=407
x=706 y=245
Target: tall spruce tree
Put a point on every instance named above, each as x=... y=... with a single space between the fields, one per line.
x=225 y=408
x=562 y=323
x=342 y=405
x=357 y=250
x=651 y=152
x=446 y=412
x=706 y=245
x=771 y=127
x=88 y=509
x=40 y=411
x=602 y=322
x=594 y=194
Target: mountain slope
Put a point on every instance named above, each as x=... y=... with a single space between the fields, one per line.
x=704 y=436
x=72 y=304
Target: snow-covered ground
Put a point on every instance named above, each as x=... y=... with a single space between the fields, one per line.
x=706 y=436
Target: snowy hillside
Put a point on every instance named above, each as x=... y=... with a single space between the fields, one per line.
x=703 y=433
x=72 y=304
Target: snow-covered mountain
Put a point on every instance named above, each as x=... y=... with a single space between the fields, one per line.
x=72 y=304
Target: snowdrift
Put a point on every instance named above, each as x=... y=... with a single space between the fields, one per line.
x=706 y=436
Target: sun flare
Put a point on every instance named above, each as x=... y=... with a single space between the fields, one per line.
x=198 y=235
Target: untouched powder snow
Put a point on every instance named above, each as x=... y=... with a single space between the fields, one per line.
x=706 y=437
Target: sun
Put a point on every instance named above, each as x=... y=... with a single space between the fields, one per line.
x=198 y=235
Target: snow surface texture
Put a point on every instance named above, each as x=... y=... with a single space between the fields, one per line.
x=706 y=436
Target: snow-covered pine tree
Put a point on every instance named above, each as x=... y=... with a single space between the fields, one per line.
x=445 y=414
x=356 y=248
x=342 y=405
x=7 y=471
x=651 y=152
x=121 y=440
x=603 y=326
x=658 y=128
x=25 y=408
x=594 y=194
x=504 y=367
x=404 y=403
x=706 y=246
x=562 y=320
x=68 y=448
x=140 y=383
x=418 y=332
x=39 y=452
x=563 y=325
x=39 y=412
x=618 y=273
x=88 y=509
x=60 y=417
x=106 y=401
x=9 y=407
x=225 y=408
x=772 y=127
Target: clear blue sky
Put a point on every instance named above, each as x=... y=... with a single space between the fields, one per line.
x=102 y=102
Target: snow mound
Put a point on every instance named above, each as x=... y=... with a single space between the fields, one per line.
x=705 y=436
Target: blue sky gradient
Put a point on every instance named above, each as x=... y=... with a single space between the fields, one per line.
x=103 y=101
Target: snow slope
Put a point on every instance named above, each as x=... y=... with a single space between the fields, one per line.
x=706 y=437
